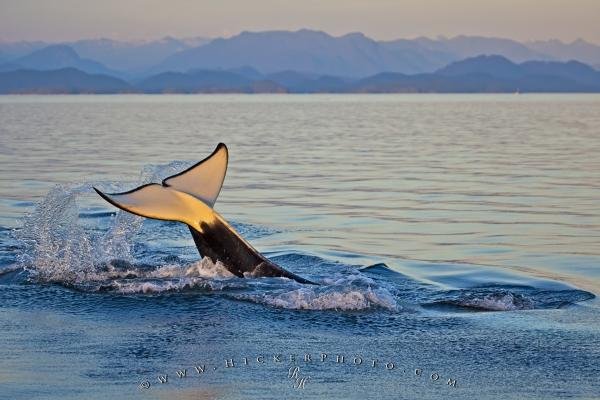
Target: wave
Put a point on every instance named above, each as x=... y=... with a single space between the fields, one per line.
x=508 y=298
x=499 y=301
x=346 y=293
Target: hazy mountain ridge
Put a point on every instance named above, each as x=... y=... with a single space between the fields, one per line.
x=500 y=67
x=57 y=57
x=351 y=55
x=60 y=81
x=309 y=51
x=579 y=50
x=134 y=56
x=207 y=81
x=481 y=74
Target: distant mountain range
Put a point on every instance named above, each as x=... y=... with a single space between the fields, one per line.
x=307 y=51
x=129 y=57
x=57 y=57
x=490 y=74
x=352 y=55
x=481 y=74
x=308 y=61
x=579 y=50
x=61 y=81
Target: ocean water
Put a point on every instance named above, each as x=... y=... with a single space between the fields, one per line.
x=455 y=239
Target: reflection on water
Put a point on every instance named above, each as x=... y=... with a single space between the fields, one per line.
x=416 y=213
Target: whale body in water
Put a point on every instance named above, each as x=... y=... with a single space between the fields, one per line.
x=188 y=197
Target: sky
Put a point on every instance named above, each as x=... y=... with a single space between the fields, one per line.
x=65 y=20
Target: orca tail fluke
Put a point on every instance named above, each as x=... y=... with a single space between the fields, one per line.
x=159 y=202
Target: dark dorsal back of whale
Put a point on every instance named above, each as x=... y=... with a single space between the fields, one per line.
x=219 y=243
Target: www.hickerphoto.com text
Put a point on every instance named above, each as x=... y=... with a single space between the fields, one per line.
x=297 y=368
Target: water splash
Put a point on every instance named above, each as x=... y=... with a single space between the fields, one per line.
x=58 y=248
x=203 y=275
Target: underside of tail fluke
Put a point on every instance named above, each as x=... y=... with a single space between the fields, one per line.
x=159 y=202
x=174 y=199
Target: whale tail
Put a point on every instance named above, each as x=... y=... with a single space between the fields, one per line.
x=188 y=197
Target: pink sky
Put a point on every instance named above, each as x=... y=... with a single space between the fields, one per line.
x=381 y=19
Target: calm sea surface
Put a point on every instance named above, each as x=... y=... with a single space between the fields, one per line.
x=455 y=237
